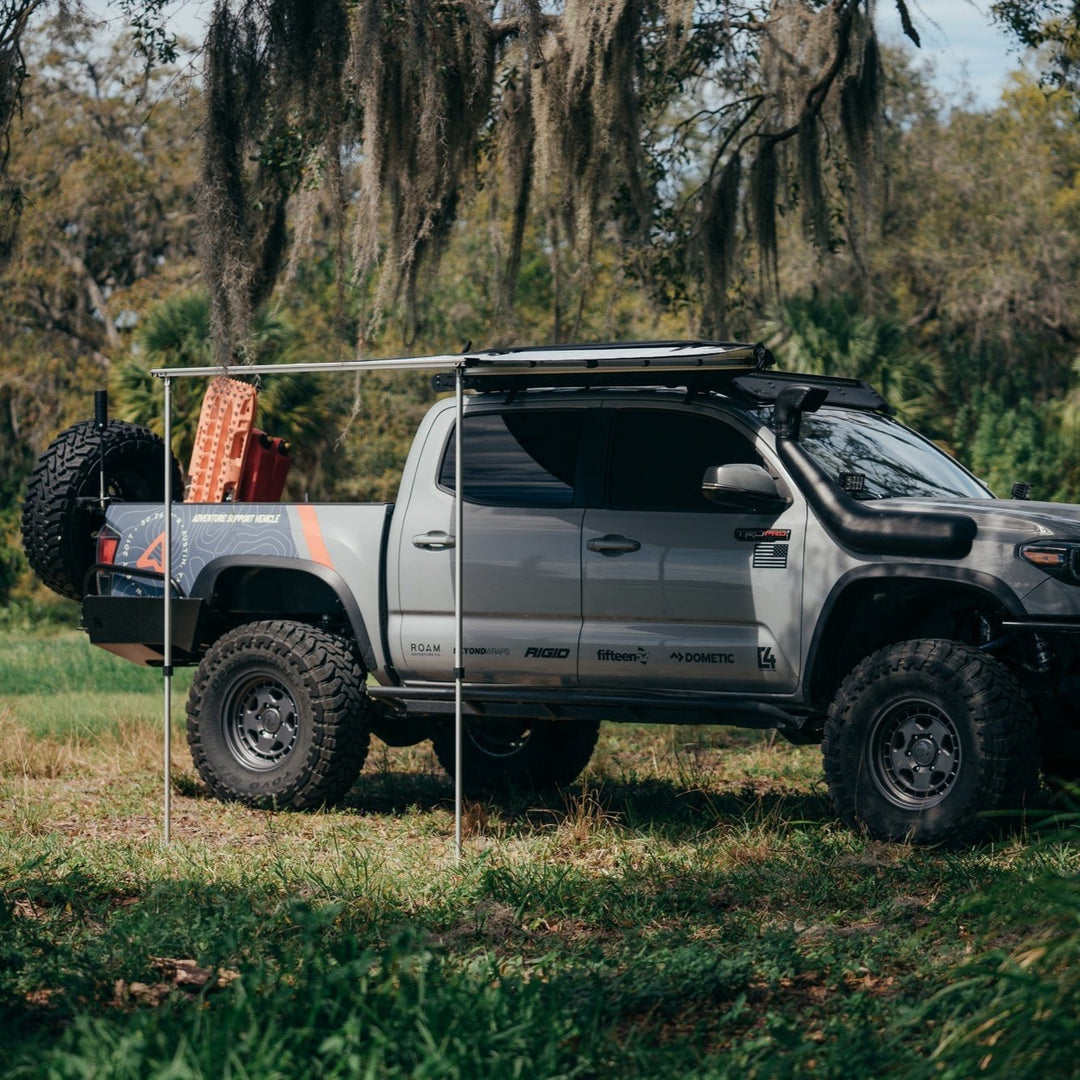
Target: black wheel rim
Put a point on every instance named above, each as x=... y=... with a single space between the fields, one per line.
x=914 y=754
x=260 y=721
x=499 y=739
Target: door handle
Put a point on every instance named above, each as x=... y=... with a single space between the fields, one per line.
x=612 y=544
x=433 y=541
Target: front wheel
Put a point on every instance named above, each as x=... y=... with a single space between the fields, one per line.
x=924 y=738
x=275 y=716
x=501 y=754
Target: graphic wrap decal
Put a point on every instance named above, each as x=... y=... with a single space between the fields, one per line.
x=313 y=538
x=198 y=538
x=142 y=545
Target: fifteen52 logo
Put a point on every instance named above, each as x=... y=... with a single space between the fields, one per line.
x=613 y=656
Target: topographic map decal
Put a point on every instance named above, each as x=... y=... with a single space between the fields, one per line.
x=200 y=534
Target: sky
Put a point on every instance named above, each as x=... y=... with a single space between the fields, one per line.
x=967 y=53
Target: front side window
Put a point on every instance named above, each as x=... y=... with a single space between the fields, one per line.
x=518 y=458
x=659 y=457
x=887 y=459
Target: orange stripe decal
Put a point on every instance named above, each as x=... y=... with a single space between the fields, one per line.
x=309 y=522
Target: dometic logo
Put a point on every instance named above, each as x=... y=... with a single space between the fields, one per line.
x=423 y=648
x=703 y=657
x=610 y=656
x=766 y=660
x=546 y=654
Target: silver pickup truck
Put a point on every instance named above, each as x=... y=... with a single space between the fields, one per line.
x=729 y=545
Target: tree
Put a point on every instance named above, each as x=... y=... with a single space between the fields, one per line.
x=832 y=336
x=645 y=113
x=107 y=169
x=104 y=160
x=300 y=408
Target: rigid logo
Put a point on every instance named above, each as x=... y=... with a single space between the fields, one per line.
x=536 y=653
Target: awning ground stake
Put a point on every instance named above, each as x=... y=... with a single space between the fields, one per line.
x=459 y=607
x=166 y=559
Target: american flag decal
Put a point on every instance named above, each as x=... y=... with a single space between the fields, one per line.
x=770 y=556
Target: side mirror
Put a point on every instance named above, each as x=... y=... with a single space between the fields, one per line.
x=742 y=487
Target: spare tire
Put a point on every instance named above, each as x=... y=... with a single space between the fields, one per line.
x=61 y=515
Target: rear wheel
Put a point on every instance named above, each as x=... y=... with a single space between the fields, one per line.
x=275 y=716
x=925 y=738
x=60 y=514
x=501 y=754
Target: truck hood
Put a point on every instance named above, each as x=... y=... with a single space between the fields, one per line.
x=1007 y=520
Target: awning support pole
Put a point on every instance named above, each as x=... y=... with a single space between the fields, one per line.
x=459 y=607
x=166 y=559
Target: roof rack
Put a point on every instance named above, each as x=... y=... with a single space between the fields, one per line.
x=643 y=363
x=852 y=393
x=648 y=363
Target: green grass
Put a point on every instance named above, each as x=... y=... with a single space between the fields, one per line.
x=690 y=909
x=67 y=662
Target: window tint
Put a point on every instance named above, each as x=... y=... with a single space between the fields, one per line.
x=518 y=459
x=659 y=457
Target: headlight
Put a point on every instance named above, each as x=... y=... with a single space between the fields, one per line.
x=1058 y=558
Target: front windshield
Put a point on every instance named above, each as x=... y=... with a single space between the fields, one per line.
x=874 y=457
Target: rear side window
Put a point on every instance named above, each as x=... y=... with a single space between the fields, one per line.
x=659 y=457
x=518 y=458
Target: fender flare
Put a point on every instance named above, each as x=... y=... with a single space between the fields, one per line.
x=207 y=578
x=949 y=575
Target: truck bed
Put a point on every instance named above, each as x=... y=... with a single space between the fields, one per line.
x=279 y=544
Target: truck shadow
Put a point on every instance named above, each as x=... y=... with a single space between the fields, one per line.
x=662 y=808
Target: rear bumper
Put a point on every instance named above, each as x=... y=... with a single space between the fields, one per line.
x=134 y=627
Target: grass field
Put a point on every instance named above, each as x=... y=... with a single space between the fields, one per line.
x=689 y=909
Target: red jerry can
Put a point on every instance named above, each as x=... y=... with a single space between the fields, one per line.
x=265 y=469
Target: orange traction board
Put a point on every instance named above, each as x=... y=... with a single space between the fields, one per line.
x=221 y=442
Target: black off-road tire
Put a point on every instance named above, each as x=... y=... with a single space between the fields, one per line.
x=276 y=716
x=924 y=738
x=58 y=525
x=499 y=755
